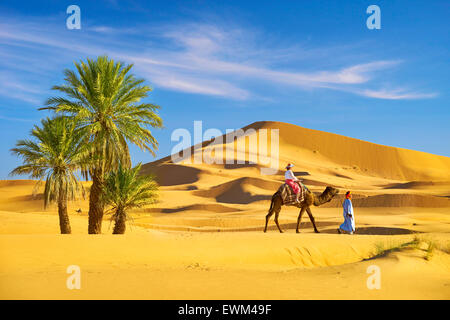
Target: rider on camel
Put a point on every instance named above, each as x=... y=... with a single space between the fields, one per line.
x=291 y=179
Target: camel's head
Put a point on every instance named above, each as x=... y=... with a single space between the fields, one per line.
x=326 y=196
x=332 y=191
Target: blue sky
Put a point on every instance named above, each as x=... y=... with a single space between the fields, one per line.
x=311 y=63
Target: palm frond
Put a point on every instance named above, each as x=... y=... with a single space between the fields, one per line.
x=126 y=189
x=102 y=97
x=55 y=153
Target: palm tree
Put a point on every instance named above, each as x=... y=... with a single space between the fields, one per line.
x=126 y=189
x=103 y=98
x=55 y=155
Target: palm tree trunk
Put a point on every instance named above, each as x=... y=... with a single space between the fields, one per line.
x=96 y=207
x=120 y=225
x=64 y=222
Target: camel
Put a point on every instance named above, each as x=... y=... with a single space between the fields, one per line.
x=309 y=199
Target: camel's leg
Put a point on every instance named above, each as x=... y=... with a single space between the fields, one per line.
x=271 y=210
x=302 y=210
x=311 y=217
x=277 y=212
x=274 y=206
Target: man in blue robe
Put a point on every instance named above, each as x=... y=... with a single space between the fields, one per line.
x=349 y=218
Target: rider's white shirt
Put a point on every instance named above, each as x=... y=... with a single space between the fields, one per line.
x=289 y=175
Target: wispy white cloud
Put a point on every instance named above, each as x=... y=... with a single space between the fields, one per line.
x=200 y=59
x=209 y=49
x=102 y=29
x=19 y=89
x=207 y=87
x=396 y=94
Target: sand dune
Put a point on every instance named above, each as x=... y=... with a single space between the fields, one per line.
x=243 y=190
x=204 y=238
x=172 y=174
x=414 y=184
x=212 y=207
x=321 y=159
x=394 y=200
x=15 y=183
x=370 y=158
x=156 y=265
x=403 y=200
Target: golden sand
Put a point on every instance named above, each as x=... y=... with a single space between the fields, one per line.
x=204 y=239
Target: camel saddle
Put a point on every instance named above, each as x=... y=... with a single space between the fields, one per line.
x=288 y=196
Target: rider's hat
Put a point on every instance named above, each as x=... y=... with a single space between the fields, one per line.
x=290 y=165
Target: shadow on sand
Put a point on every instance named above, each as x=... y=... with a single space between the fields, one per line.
x=385 y=231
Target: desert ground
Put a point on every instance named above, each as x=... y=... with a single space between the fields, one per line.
x=204 y=239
